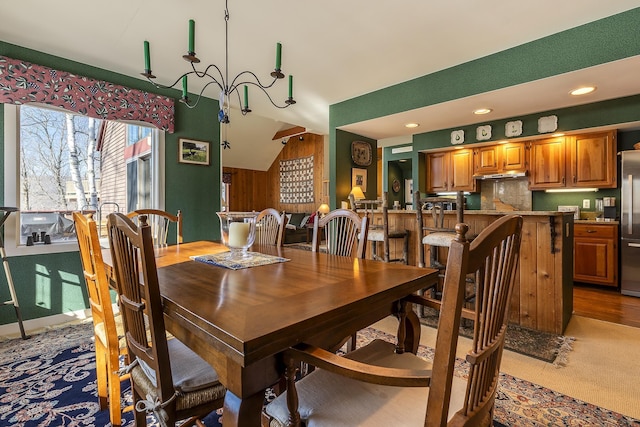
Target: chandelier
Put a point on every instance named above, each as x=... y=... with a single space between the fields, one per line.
x=220 y=77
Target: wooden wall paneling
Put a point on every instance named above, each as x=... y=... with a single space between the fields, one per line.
x=311 y=144
x=528 y=269
x=257 y=190
x=546 y=314
x=248 y=189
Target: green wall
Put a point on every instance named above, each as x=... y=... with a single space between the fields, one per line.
x=595 y=43
x=340 y=153
x=51 y=284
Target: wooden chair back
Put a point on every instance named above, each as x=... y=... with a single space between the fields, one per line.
x=437 y=214
x=270 y=226
x=168 y=378
x=344 y=232
x=159 y=222
x=377 y=213
x=132 y=252
x=492 y=259
x=104 y=323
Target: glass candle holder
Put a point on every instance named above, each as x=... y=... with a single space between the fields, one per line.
x=238 y=231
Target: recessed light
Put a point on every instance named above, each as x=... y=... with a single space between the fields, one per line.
x=412 y=125
x=482 y=111
x=582 y=90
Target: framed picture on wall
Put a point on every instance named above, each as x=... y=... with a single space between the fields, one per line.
x=359 y=178
x=194 y=152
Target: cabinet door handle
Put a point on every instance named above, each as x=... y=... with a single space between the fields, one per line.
x=591 y=231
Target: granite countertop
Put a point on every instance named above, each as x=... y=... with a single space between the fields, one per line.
x=601 y=221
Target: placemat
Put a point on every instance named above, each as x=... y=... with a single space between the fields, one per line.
x=254 y=259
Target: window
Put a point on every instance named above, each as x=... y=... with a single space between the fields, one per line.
x=62 y=162
x=136 y=133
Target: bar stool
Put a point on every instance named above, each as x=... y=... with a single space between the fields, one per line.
x=439 y=235
x=377 y=211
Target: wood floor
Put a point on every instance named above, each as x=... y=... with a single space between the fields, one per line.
x=606 y=304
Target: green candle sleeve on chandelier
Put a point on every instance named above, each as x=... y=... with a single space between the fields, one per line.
x=192 y=35
x=278 y=55
x=246 y=96
x=290 y=86
x=184 y=86
x=147 y=57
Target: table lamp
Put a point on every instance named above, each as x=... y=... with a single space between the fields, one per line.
x=357 y=193
x=323 y=209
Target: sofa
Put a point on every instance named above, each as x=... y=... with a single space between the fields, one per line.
x=296 y=230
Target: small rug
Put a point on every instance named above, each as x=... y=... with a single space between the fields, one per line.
x=49 y=381
x=254 y=259
x=551 y=348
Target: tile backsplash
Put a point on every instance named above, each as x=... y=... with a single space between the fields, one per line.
x=511 y=191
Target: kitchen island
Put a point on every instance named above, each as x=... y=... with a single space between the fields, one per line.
x=543 y=293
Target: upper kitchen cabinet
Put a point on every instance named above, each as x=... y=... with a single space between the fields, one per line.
x=450 y=171
x=548 y=164
x=593 y=160
x=579 y=161
x=500 y=158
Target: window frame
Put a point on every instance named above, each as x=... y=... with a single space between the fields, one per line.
x=12 y=182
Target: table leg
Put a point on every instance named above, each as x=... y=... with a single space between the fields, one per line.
x=242 y=412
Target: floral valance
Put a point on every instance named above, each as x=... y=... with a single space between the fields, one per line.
x=22 y=82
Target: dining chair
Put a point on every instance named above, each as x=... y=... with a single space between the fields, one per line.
x=377 y=213
x=343 y=231
x=168 y=379
x=107 y=327
x=270 y=226
x=159 y=221
x=345 y=234
x=388 y=384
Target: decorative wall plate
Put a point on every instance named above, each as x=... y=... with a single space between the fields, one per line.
x=395 y=185
x=483 y=133
x=547 y=124
x=361 y=153
x=513 y=128
x=457 y=137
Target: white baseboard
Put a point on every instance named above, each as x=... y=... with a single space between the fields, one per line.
x=12 y=330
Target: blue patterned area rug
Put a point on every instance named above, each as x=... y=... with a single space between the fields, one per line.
x=49 y=380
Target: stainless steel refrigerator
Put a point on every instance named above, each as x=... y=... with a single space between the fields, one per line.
x=630 y=224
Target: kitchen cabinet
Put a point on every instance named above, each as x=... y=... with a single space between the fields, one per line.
x=450 y=171
x=500 y=158
x=595 y=254
x=593 y=160
x=548 y=164
x=578 y=161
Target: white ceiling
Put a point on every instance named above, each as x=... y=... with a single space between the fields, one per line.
x=335 y=50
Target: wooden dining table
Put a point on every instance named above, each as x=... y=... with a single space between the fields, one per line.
x=240 y=321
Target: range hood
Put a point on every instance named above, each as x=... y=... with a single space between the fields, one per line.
x=501 y=175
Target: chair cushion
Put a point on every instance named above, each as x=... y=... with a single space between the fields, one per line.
x=375 y=235
x=328 y=399
x=101 y=333
x=189 y=371
x=439 y=239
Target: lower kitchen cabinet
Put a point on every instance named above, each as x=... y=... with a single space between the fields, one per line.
x=595 y=254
